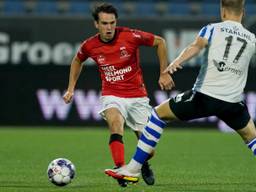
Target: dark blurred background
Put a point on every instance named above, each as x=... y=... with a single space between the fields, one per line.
x=38 y=39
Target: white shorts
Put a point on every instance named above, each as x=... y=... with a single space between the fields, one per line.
x=135 y=111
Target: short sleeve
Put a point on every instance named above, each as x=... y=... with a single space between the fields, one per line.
x=207 y=32
x=82 y=52
x=143 y=38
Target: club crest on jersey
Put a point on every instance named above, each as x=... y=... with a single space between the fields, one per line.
x=101 y=59
x=123 y=52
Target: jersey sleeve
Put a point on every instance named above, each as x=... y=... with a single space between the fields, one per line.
x=143 y=38
x=82 y=52
x=207 y=32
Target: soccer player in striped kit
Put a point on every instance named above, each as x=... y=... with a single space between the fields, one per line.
x=124 y=97
x=217 y=91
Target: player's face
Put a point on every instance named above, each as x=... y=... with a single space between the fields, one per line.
x=106 y=26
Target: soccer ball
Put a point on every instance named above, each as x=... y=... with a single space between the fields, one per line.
x=61 y=171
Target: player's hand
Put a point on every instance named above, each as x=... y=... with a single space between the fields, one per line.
x=166 y=82
x=173 y=67
x=67 y=97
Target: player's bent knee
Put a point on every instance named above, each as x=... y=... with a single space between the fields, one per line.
x=116 y=127
x=164 y=112
x=248 y=132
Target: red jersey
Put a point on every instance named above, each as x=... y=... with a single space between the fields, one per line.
x=118 y=61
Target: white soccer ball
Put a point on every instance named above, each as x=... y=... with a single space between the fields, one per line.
x=61 y=171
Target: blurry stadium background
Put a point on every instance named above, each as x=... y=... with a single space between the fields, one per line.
x=38 y=38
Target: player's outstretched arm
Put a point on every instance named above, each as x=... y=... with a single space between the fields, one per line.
x=165 y=80
x=190 y=51
x=75 y=69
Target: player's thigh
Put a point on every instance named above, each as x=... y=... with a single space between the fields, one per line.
x=248 y=133
x=139 y=111
x=113 y=116
x=114 y=112
x=188 y=105
x=108 y=102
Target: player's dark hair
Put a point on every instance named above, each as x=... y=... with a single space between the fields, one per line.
x=105 y=8
x=236 y=6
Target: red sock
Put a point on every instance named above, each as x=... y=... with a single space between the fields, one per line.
x=117 y=152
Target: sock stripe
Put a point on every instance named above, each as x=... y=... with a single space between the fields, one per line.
x=144 y=146
x=155 y=127
x=253 y=149
x=149 y=142
x=140 y=155
x=253 y=142
x=154 y=119
x=153 y=132
x=252 y=145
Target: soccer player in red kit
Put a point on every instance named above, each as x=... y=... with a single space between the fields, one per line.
x=124 y=97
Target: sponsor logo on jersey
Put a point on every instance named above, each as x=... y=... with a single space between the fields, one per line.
x=101 y=59
x=221 y=66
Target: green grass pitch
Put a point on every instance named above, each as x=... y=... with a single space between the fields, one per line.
x=185 y=161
